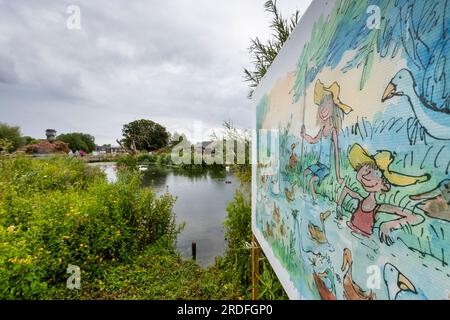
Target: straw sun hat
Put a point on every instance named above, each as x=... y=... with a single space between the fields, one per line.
x=358 y=156
x=320 y=91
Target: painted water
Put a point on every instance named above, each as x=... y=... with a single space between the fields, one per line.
x=202 y=198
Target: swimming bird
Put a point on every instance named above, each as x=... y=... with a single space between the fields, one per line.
x=276 y=213
x=318 y=233
x=289 y=194
x=399 y=287
x=282 y=229
x=293 y=159
x=436 y=203
x=352 y=291
x=435 y=121
x=321 y=280
x=269 y=229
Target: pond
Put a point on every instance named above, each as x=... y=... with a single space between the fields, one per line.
x=202 y=198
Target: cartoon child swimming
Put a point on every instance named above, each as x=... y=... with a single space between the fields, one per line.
x=329 y=116
x=375 y=176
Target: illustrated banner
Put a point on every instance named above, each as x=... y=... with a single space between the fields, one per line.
x=351 y=187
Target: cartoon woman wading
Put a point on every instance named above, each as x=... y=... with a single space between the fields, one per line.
x=329 y=116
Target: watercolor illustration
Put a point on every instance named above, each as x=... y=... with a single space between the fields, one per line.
x=352 y=179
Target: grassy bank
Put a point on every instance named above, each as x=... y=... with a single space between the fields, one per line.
x=57 y=212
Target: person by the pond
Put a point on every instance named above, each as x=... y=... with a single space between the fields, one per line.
x=330 y=114
x=77 y=154
x=375 y=176
x=70 y=154
x=82 y=153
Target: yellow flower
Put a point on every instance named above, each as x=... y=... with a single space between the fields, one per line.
x=25 y=261
x=10 y=229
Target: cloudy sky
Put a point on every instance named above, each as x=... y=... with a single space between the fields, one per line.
x=177 y=62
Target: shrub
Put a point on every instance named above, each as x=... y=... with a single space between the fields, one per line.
x=10 y=138
x=46 y=147
x=78 y=141
x=60 y=212
x=235 y=267
x=127 y=161
x=146 y=158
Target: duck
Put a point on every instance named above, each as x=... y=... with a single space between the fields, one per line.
x=436 y=203
x=282 y=230
x=269 y=230
x=399 y=287
x=276 y=213
x=435 y=121
x=352 y=291
x=318 y=233
x=293 y=159
x=289 y=194
x=320 y=280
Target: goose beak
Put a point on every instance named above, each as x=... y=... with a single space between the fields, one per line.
x=389 y=92
x=405 y=285
x=346 y=259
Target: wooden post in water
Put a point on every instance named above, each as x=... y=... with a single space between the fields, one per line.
x=194 y=250
x=255 y=268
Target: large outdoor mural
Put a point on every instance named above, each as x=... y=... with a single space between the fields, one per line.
x=352 y=180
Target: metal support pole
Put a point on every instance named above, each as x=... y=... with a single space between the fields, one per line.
x=255 y=268
x=194 y=250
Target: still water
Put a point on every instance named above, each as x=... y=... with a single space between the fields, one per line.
x=202 y=198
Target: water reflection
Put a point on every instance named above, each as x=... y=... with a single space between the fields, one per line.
x=202 y=198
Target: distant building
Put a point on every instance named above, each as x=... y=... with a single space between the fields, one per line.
x=51 y=134
x=204 y=145
x=108 y=149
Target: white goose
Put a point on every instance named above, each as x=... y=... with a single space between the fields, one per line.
x=435 y=122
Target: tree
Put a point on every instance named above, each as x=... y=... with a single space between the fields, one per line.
x=146 y=135
x=263 y=54
x=10 y=137
x=78 y=141
x=27 y=140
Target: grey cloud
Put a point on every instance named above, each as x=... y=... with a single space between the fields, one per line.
x=171 y=61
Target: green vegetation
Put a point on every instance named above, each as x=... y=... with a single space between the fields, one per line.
x=263 y=54
x=78 y=141
x=234 y=269
x=58 y=212
x=144 y=135
x=10 y=138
